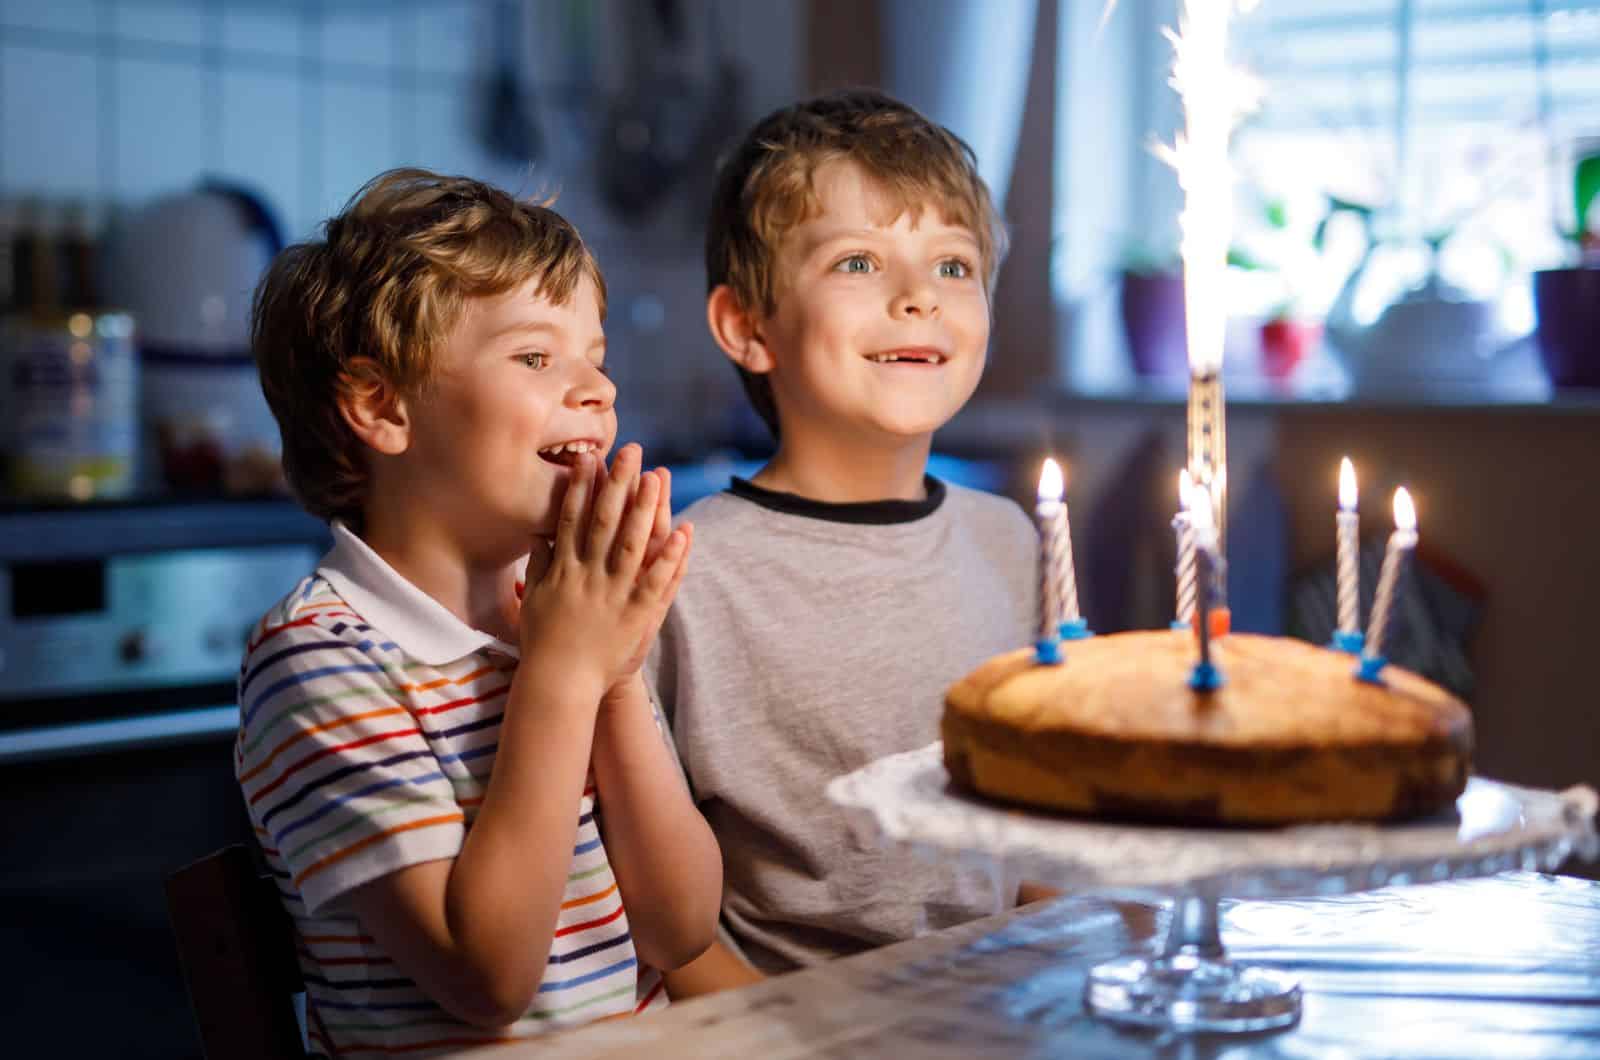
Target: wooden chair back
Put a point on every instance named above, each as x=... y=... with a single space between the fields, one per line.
x=236 y=946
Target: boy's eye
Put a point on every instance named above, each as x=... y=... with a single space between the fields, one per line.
x=536 y=361
x=954 y=269
x=855 y=263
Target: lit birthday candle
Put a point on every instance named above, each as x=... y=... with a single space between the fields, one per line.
x=1205 y=676
x=1073 y=626
x=1401 y=544
x=1183 y=525
x=1054 y=551
x=1348 y=526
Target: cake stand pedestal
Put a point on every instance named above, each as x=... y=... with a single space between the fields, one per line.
x=1192 y=985
x=906 y=801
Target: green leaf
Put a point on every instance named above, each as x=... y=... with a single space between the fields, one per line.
x=1242 y=259
x=1586 y=185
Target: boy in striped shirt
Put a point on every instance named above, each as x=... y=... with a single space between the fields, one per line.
x=446 y=747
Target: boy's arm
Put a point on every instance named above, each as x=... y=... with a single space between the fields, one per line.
x=475 y=932
x=718 y=968
x=662 y=851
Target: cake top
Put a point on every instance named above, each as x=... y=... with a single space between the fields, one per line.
x=1280 y=693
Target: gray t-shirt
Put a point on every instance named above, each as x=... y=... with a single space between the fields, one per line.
x=806 y=641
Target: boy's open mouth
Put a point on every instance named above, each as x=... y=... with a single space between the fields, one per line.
x=915 y=355
x=566 y=453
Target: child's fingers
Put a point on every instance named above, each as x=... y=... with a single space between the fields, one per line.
x=633 y=538
x=660 y=581
x=683 y=567
x=614 y=490
x=574 y=509
x=663 y=524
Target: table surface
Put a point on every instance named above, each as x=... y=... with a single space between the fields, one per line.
x=1505 y=966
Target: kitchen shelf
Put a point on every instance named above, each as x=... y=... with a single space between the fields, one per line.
x=40 y=533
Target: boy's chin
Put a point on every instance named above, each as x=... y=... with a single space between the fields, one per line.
x=912 y=426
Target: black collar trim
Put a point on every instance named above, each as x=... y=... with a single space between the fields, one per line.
x=859 y=513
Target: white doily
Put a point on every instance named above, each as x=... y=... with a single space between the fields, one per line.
x=906 y=800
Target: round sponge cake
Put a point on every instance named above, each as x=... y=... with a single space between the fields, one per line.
x=1292 y=736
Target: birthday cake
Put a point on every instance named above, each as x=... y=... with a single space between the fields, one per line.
x=1290 y=736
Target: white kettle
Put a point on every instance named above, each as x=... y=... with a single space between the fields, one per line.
x=186 y=267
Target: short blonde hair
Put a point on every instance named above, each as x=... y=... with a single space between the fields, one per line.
x=765 y=188
x=373 y=302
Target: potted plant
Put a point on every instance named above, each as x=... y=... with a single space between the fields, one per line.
x=1567 y=300
x=1151 y=302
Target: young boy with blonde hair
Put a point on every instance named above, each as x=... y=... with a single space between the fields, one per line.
x=851 y=255
x=446 y=747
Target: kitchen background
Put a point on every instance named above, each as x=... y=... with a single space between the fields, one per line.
x=1410 y=288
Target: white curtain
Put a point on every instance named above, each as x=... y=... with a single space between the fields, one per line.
x=964 y=63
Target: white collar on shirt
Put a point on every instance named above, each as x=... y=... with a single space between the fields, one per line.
x=421 y=626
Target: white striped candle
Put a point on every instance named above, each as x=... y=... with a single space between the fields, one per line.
x=1348 y=526
x=1401 y=542
x=1183 y=524
x=1054 y=552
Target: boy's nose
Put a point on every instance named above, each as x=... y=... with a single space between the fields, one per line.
x=594 y=390
x=915 y=302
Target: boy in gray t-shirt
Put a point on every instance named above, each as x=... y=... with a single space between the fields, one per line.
x=851 y=253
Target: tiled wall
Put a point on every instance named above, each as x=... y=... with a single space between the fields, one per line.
x=114 y=102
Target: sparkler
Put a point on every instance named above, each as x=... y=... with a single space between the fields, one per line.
x=1214 y=97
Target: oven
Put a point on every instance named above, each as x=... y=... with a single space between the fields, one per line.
x=121 y=630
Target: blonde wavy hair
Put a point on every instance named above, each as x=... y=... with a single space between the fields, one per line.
x=371 y=304
x=765 y=188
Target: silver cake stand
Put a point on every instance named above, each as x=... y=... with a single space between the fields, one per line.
x=905 y=800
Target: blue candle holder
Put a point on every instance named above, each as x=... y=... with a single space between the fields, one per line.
x=1370 y=669
x=1205 y=677
x=1047 y=652
x=1076 y=629
x=1349 y=643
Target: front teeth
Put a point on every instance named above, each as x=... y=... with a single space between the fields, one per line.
x=569 y=447
x=893 y=358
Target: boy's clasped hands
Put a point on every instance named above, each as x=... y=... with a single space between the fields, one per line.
x=594 y=595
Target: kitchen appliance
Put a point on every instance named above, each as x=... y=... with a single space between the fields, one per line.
x=138 y=612
x=121 y=629
x=186 y=267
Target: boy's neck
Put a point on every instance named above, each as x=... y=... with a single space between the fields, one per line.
x=429 y=558
x=837 y=472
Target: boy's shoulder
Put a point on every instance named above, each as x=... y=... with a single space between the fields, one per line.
x=313 y=611
x=720 y=516
x=983 y=506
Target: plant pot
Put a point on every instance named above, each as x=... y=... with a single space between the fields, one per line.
x=1568 y=305
x=1285 y=343
x=1153 y=321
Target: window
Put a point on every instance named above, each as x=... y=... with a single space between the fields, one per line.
x=1454 y=122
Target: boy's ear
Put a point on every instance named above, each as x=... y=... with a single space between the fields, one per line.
x=737 y=331
x=373 y=409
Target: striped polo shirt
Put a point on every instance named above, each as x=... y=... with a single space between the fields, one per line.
x=369 y=719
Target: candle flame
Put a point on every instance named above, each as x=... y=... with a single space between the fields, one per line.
x=1185 y=490
x=1214 y=96
x=1051 y=482
x=1347 y=484
x=1405 y=513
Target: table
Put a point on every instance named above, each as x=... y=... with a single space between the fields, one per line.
x=1498 y=967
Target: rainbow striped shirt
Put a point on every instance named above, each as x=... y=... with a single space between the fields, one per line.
x=369 y=720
